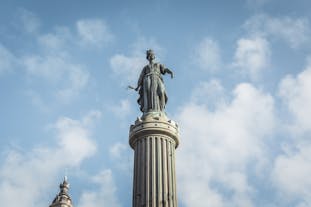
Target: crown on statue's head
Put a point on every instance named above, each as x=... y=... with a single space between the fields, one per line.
x=149 y=52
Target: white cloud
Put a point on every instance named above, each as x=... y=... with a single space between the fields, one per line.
x=51 y=41
x=219 y=147
x=122 y=109
x=7 y=60
x=77 y=79
x=56 y=41
x=68 y=78
x=90 y=33
x=94 y=31
x=121 y=154
x=295 y=31
x=252 y=56
x=104 y=196
x=53 y=64
x=50 y=67
x=88 y=120
x=295 y=92
x=29 y=20
x=292 y=171
x=128 y=67
x=116 y=150
x=207 y=55
x=292 y=167
x=212 y=92
x=29 y=175
x=74 y=139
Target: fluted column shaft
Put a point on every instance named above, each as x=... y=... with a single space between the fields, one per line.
x=154 y=180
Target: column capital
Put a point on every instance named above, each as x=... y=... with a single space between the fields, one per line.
x=153 y=125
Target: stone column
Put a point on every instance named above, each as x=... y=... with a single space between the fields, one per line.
x=154 y=140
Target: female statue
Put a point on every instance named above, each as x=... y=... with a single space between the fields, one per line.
x=152 y=94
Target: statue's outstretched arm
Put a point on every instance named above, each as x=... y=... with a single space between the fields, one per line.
x=166 y=70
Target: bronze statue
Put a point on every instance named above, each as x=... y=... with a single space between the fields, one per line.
x=152 y=94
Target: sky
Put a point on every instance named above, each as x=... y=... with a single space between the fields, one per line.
x=241 y=95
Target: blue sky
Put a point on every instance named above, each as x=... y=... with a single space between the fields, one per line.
x=241 y=95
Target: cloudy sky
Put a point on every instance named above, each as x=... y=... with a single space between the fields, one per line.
x=241 y=95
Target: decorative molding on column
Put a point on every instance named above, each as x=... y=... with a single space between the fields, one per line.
x=154 y=125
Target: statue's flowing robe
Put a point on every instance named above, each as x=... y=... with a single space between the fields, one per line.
x=152 y=94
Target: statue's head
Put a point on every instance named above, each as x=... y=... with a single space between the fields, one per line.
x=150 y=54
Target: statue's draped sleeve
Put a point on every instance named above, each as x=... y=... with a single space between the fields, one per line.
x=140 y=84
x=141 y=78
x=162 y=69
